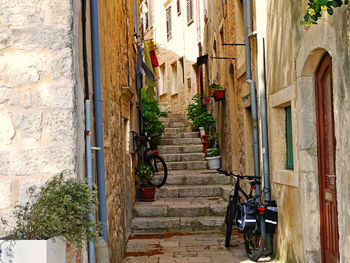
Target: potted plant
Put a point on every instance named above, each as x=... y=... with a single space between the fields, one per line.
x=145 y=175
x=213 y=158
x=56 y=213
x=212 y=88
x=219 y=93
x=206 y=121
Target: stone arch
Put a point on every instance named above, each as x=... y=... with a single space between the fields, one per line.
x=317 y=41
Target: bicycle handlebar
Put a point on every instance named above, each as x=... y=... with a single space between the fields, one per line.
x=228 y=173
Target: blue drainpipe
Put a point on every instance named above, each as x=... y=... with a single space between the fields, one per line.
x=98 y=117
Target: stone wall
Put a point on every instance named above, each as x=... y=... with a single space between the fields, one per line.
x=119 y=117
x=224 y=24
x=38 y=87
x=290 y=78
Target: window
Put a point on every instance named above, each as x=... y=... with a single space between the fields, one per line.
x=189 y=11
x=174 y=78
x=182 y=70
x=146 y=18
x=168 y=23
x=162 y=80
x=289 y=138
x=178 y=5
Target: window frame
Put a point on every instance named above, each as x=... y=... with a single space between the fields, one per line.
x=189 y=6
x=289 y=165
x=168 y=23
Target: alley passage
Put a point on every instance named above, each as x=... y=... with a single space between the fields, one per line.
x=185 y=247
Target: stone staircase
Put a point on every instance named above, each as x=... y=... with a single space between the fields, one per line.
x=192 y=199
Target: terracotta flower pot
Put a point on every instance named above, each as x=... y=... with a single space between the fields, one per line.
x=147 y=193
x=205 y=137
x=156 y=152
x=205 y=147
x=211 y=92
x=206 y=100
x=219 y=95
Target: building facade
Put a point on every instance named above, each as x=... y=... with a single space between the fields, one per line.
x=46 y=77
x=176 y=27
x=302 y=73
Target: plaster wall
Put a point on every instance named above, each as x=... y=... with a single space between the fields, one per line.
x=290 y=80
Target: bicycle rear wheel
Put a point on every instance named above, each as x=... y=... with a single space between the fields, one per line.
x=159 y=169
x=254 y=240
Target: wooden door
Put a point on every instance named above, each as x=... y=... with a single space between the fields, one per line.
x=326 y=145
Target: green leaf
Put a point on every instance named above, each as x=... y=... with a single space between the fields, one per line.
x=346 y=2
x=307 y=16
x=330 y=11
x=318 y=8
x=303 y=22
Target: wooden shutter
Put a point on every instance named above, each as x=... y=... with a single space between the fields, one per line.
x=178 y=6
x=189 y=11
x=168 y=23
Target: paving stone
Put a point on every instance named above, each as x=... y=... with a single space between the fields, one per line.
x=172 y=149
x=181 y=135
x=190 y=165
x=183 y=157
x=176 y=141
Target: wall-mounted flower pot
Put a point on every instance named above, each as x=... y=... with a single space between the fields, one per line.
x=211 y=92
x=214 y=162
x=219 y=95
x=52 y=250
x=206 y=100
x=205 y=137
x=205 y=147
x=147 y=193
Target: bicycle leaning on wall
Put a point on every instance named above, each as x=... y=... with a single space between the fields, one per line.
x=156 y=162
x=251 y=217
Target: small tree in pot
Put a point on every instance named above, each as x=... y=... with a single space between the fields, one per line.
x=145 y=175
x=60 y=208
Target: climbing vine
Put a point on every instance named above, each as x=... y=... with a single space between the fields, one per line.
x=316 y=7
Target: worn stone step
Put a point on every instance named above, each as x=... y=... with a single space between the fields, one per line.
x=183 y=157
x=180 y=224
x=177 y=130
x=174 y=191
x=173 y=149
x=180 y=141
x=181 y=207
x=176 y=115
x=188 y=165
x=173 y=124
x=197 y=177
x=181 y=135
x=178 y=119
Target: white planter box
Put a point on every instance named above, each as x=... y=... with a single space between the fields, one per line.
x=214 y=162
x=33 y=251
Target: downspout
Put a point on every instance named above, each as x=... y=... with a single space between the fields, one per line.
x=247 y=31
x=261 y=5
x=98 y=117
x=88 y=157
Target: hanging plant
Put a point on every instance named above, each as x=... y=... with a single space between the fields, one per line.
x=316 y=7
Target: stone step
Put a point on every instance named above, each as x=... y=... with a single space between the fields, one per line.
x=180 y=141
x=177 y=124
x=179 y=119
x=175 y=191
x=181 y=207
x=177 y=130
x=173 y=149
x=176 y=115
x=178 y=224
x=189 y=165
x=181 y=135
x=183 y=157
x=197 y=177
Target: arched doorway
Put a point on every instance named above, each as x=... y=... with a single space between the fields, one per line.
x=326 y=145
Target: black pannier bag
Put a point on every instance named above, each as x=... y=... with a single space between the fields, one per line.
x=246 y=217
x=271 y=217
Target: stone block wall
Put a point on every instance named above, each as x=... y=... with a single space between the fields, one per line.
x=37 y=96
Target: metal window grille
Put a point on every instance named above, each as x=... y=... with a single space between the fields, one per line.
x=189 y=11
x=289 y=139
x=168 y=23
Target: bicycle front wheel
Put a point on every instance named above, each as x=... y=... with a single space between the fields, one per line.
x=159 y=169
x=254 y=240
x=230 y=214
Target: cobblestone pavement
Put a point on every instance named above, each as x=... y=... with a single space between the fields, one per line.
x=190 y=247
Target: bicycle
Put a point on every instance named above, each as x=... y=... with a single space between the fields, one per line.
x=253 y=229
x=156 y=162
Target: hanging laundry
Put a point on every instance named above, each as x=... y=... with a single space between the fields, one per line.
x=149 y=82
x=154 y=58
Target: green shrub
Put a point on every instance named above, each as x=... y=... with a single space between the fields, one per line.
x=61 y=207
x=213 y=152
x=144 y=174
x=212 y=140
x=196 y=108
x=206 y=121
x=151 y=123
